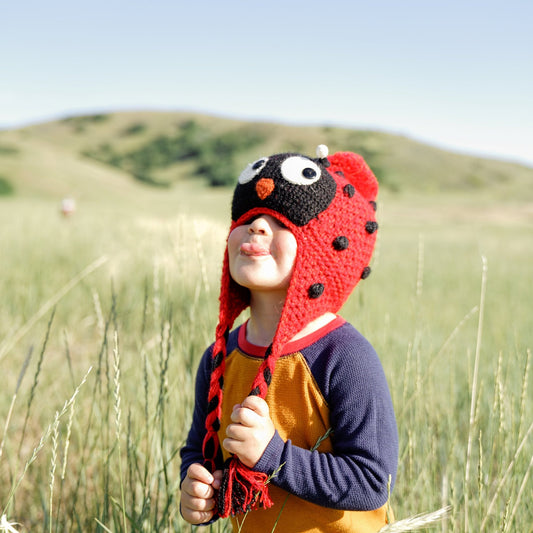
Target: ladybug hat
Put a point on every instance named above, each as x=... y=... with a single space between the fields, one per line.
x=328 y=203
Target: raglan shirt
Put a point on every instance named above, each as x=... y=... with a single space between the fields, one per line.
x=331 y=380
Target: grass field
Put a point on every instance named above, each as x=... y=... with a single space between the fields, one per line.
x=104 y=316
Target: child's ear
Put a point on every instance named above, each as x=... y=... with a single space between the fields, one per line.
x=354 y=168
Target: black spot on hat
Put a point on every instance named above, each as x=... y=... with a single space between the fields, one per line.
x=349 y=190
x=371 y=226
x=373 y=204
x=366 y=272
x=341 y=243
x=267 y=374
x=316 y=290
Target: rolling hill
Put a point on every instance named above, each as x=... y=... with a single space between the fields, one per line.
x=117 y=155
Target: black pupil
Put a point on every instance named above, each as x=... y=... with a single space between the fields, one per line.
x=257 y=164
x=308 y=173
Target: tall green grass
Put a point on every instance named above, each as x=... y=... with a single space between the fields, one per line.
x=105 y=315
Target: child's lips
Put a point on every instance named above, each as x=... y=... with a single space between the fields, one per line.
x=254 y=249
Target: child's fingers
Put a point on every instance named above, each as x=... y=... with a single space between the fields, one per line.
x=197 y=494
x=246 y=417
x=217 y=474
x=195 y=516
x=237 y=431
x=200 y=473
x=196 y=490
x=198 y=504
x=250 y=432
x=256 y=404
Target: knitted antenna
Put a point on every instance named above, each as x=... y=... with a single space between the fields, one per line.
x=328 y=203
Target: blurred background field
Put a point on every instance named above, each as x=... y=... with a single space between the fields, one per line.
x=128 y=285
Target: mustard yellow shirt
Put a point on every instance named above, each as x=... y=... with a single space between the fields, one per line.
x=300 y=412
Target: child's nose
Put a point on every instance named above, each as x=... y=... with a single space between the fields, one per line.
x=259 y=226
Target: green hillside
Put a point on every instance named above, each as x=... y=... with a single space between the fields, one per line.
x=112 y=155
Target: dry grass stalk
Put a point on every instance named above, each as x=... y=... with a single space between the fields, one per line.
x=67 y=440
x=475 y=386
x=14 y=399
x=53 y=466
x=118 y=424
x=201 y=258
x=156 y=301
x=43 y=439
x=414 y=523
x=420 y=269
x=7 y=345
x=36 y=379
x=437 y=357
x=100 y=321
x=524 y=394
x=509 y=469
x=519 y=496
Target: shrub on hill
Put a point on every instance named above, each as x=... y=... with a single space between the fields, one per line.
x=7 y=149
x=79 y=123
x=134 y=129
x=215 y=155
x=6 y=188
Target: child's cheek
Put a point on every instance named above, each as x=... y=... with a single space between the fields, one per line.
x=234 y=242
x=286 y=249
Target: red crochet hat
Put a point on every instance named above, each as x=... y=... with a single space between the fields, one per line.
x=328 y=203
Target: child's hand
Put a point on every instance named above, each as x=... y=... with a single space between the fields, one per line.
x=251 y=431
x=197 y=494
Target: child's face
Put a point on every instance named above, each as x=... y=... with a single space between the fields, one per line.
x=262 y=254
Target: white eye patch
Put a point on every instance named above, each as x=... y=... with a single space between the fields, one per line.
x=251 y=171
x=300 y=170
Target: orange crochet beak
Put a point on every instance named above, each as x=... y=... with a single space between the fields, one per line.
x=264 y=187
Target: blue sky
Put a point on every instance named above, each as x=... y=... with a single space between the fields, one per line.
x=456 y=74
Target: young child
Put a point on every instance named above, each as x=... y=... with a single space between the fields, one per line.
x=293 y=419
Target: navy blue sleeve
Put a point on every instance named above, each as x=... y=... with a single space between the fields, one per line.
x=355 y=475
x=192 y=450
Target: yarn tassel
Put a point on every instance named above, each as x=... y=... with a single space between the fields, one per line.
x=242 y=490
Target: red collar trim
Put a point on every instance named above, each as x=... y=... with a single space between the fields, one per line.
x=291 y=347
